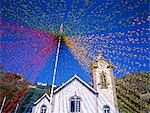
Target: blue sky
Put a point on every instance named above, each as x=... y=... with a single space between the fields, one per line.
x=125 y=22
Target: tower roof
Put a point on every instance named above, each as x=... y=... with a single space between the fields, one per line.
x=94 y=65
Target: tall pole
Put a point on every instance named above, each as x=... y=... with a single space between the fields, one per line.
x=55 y=68
x=3 y=104
x=16 y=108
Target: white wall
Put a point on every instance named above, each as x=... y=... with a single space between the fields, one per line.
x=36 y=109
x=88 y=98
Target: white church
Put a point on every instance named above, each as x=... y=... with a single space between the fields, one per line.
x=77 y=96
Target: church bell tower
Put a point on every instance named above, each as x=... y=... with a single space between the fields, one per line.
x=103 y=78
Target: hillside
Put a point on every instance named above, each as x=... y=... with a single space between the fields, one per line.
x=14 y=87
x=129 y=90
x=18 y=91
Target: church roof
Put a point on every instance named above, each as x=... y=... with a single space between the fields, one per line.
x=80 y=80
x=45 y=95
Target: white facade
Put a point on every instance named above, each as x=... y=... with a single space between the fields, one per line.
x=61 y=103
x=76 y=96
x=44 y=100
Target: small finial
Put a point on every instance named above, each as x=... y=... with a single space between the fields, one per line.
x=75 y=93
x=61 y=29
x=99 y=55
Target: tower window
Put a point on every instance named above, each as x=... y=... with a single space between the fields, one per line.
x=106 y=109
x=43 y=109
x=75 y=103
x=103 y=79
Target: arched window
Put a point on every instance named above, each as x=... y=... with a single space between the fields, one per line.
x=43 y=109
x=75 y=104
x=106 y=109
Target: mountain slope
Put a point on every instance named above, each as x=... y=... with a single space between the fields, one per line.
x=13 y=87
x=129 y=90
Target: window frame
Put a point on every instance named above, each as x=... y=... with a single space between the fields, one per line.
x=43 y=108
x=77 y=104
x=106 y=109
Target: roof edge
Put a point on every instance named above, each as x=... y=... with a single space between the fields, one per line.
x=80 y=80
x=47 y=96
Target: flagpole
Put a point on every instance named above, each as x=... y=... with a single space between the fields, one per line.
x=16 y=108
x=55 y=69
x=3 y=104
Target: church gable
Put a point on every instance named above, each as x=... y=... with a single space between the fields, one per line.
x=42 y=104
x=75 y=77
x=46 y=96
x=73 y=96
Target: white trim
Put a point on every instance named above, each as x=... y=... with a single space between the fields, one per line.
x=63 y=85
x=80 y=80
x=42 y=98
